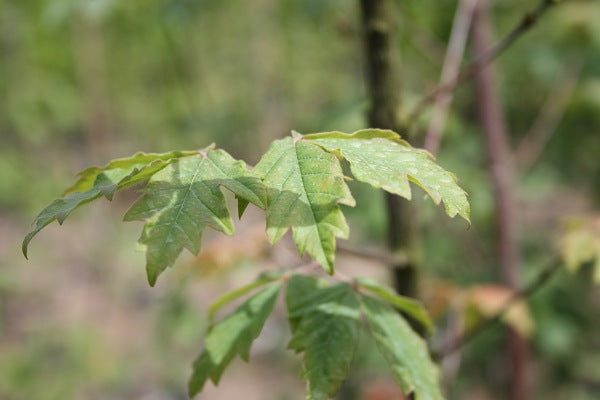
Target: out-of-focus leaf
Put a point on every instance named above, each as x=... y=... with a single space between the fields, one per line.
x=580 y=244
x=486 y=301
x=184 y=197
x=325 y=322
x=138 y=168
x=233 y=335
x=382 y=159
x=305 y=186
x=94 y=182
x=405 y=352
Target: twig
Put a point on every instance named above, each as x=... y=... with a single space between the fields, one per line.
x=535 y=140
x=382 y=256
x=526 y=23
x=450 y=71
x=502 y=179
x=526 y=292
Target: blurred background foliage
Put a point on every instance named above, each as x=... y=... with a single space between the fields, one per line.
x=83 y=81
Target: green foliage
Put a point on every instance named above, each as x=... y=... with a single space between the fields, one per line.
x=325 y=320
x=305 y=187
x=325 y=323
x=234 y=335
x=381 y=158
x=183 y=198
x=580 y=244
x=95 y=182
x=405 y=352
x=300 y=183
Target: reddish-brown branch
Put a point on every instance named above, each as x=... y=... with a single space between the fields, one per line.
x=450 y=71
x=501 y=176
x=534 y=141
x=525 y=293
x=483 y=59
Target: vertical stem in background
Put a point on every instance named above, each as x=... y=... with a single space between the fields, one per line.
x=502 y=178
x=383 y=90
x=450 y=71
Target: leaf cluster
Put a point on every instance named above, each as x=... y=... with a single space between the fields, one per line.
x=299 y=183
x=325 y=320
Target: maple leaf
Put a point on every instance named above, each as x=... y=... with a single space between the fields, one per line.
x=97 y=181
x=183 y=198
x=232 y=336
x=305 y=186
x=325 y=324
x=382 y=159
x=405 y=352
x=132 y=170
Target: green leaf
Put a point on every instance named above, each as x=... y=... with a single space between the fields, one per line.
x=405 y=352
x=325 y=322
x=382 y=159
x=184 y=197
x=139 y=167
x=61 y=208
x=95 y=182
x=305 y=186
x=134 y=164
x=303 y=292
x=242 y=205
x=233 y=335
x=405 y=304
x=58 y=210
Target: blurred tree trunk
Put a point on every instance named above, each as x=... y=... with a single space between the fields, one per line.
x=383 y=88
x=90 y=58
x=502 y=179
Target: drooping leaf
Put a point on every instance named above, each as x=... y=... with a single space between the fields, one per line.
x=382 y=159
x=61 y=208
x=405 y=352
x=405 y=304
x=580 y=244
x=184 y=197
x=305 y=186
x=325 y=324
x=95 y=182
x=58 y=210
x=139 y=167
x=232 y=336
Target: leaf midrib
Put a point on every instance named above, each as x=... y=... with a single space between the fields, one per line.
x=312 y=212
x=175 y=220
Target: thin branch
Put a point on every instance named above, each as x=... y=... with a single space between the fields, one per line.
x=502 y=178
x=534 y=141
x=526 y=292
x=382 y=256
x=526 y=23
x=450 y=71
